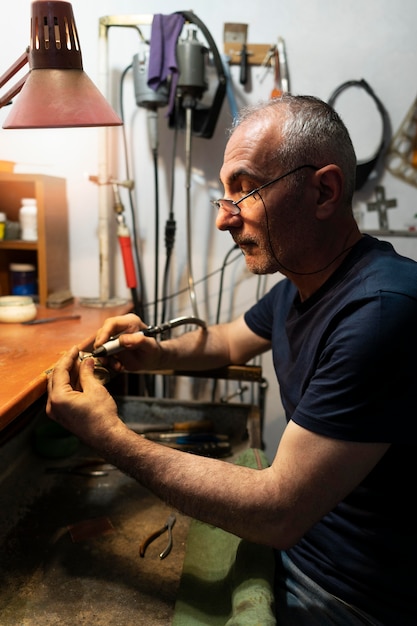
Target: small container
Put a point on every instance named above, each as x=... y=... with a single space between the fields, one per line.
x=3 y=220
x=23 y=279
x=12 y=230
x=17 y=309
x=28 y=218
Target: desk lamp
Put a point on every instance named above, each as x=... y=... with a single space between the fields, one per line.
x=56 y=93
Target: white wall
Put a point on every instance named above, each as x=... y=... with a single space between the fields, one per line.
x=328 y=42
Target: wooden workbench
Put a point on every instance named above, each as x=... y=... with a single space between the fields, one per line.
x=28 y=352
x=96 y=577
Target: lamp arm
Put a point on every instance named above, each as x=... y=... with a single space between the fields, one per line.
x=13 y=69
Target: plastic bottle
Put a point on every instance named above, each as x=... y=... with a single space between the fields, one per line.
x=28 y=218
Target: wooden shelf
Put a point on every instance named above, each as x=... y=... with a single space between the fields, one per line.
x=392 y=233
x=50 y=253
x=18 y=244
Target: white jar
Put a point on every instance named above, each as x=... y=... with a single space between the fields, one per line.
x=28 y=218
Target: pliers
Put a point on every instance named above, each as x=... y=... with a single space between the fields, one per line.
x=168 y=526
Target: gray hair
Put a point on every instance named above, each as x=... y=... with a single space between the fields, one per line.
x=312 y=133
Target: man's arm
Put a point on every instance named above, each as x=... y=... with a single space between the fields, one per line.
x=216 y=346
x=276 y=506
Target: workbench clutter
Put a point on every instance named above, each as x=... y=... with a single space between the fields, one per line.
x=28 y=219
x=212 y=429
x=17 y=309
x=36 y=234
x=23 y=279
x=26 y=226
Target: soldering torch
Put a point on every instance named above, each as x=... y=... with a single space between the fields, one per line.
x=113 y=345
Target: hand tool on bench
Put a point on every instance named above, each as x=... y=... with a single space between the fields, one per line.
x=167 y=527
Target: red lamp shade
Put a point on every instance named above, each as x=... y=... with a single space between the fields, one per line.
x=57 y=93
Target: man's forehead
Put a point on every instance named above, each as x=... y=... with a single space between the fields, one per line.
x=248 y=153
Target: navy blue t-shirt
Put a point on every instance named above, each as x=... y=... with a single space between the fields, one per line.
x=346 y=363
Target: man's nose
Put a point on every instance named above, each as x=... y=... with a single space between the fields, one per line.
x=226 y=220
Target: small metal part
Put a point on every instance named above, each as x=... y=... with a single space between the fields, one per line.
x=101 y=373
x=167 y=527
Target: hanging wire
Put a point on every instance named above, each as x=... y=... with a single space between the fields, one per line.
x=222 y=271
x=188 y=145
x=141 y=301
x=219 y=304
x=156 y=256
x=184 y=290
x=170 y=226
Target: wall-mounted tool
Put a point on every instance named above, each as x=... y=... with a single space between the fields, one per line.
x=277 y=88
x=238 y=34
x=365 y=168
x=256 y=52
x=205 y=116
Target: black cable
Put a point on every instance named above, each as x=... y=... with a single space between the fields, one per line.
x=365 y=168
x=197 y=282
x=222 y=270
x=219 y=303
x=139 y=302
x=146 y=382
x=170 y=226
x=156 y=278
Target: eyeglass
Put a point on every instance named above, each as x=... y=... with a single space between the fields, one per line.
x=232 y=206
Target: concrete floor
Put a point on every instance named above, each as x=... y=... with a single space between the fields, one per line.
x=69 y=550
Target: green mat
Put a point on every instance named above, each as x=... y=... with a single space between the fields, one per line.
x=226 y=581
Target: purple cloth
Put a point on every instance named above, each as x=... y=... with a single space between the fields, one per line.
x=162 y=58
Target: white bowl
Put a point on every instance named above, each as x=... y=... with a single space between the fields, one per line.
x=17 y=309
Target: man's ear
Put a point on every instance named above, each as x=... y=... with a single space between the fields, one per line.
x=329 y=184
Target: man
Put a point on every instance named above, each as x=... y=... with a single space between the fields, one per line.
x=337 y=501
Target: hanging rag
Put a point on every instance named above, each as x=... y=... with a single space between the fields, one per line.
x=162 y=55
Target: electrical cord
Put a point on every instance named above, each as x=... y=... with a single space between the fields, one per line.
x=179 y=292
x=219 y=304
x=365 y=168
x=170 y=226
x=139 y=301
x=156 y=256
x=222 y=271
